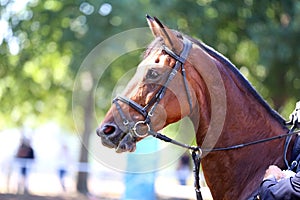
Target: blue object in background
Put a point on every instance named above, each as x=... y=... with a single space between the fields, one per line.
x=141 y=167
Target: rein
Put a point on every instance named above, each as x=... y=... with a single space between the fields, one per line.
x=238 y=146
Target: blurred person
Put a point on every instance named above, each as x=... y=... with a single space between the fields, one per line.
x=63 y=164
x=25 y=156
x=6 y=171
x=183 y=169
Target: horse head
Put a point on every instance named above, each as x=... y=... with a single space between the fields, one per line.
x=158 y=94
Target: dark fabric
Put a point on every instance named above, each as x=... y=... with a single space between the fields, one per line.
x=185 y=160
x=62 y=173
x=24 y=171
x=296 y=148
x=25 y=151
x=26 y=155
x=286 y=189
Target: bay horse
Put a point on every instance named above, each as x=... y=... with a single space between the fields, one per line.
x=223 y=106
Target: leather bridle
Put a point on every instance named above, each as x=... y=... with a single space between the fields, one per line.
x=148 y=110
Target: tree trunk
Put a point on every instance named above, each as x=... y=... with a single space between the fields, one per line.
x=82 y=177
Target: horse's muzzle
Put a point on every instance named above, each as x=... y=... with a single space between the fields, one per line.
x=113 y=137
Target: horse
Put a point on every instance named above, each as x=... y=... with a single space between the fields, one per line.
x=223 y=106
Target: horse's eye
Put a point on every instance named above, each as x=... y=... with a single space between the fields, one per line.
x=152 y=74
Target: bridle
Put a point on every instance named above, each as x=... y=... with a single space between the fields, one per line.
x=148 y=110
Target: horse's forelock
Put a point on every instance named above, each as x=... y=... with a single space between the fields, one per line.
x=155 y=44
x=158 y=43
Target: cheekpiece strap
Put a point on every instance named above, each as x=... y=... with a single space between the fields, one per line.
x=184 y=54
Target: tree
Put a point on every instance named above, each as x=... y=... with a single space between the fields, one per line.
x=43 y=44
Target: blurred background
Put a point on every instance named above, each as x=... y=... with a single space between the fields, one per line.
x=42 y=46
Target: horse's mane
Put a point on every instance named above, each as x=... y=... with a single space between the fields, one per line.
x=158 y=42
x=218 y=56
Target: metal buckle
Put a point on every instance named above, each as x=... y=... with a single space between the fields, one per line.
x=135 y=131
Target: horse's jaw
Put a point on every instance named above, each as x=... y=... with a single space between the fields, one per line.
x=128 y=143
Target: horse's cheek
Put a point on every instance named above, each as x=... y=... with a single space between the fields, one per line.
x=159 y=119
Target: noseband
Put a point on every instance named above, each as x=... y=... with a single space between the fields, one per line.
x=148 y=110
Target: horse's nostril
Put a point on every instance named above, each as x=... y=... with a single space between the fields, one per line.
x=109 y=130
x=106 y=129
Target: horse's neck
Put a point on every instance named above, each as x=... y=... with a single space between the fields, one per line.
x=234 y=173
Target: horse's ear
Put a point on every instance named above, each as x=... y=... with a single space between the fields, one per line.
x=160 y=30
x=153 y=26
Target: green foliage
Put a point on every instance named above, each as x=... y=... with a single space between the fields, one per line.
x=260 y=37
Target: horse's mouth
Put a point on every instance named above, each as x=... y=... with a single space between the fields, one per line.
x=122 y=142
x=128 y=143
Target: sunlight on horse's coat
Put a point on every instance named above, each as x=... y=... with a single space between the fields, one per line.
x=225 y=110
